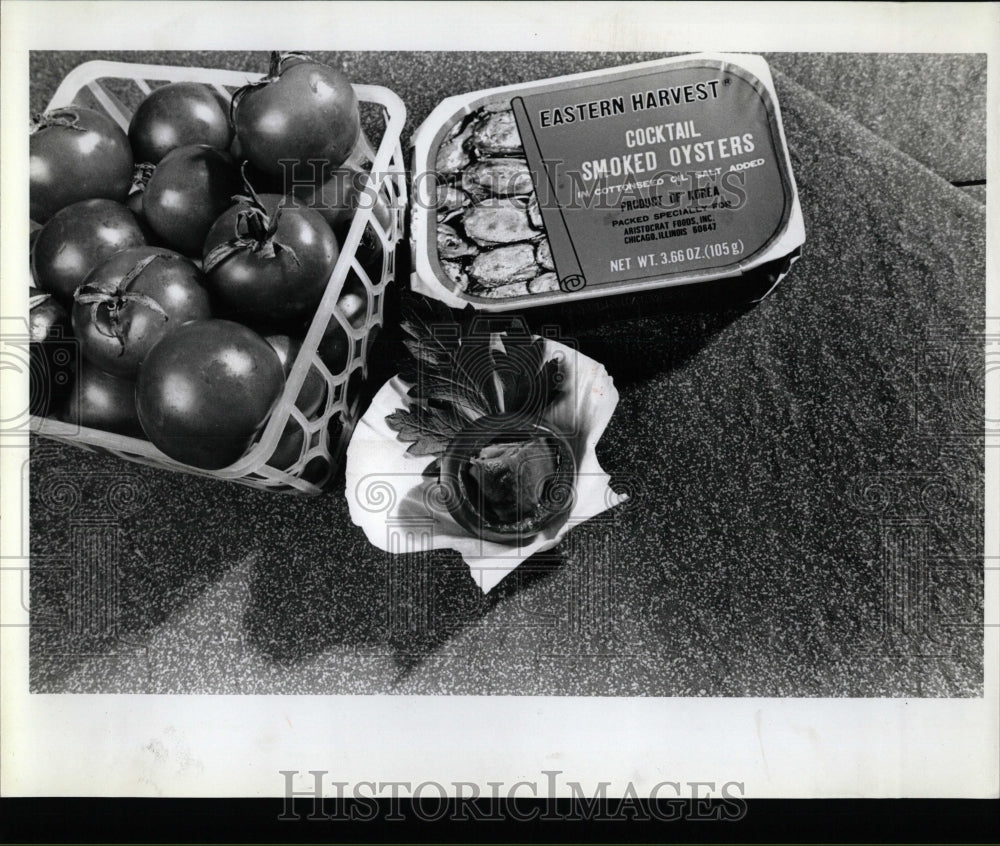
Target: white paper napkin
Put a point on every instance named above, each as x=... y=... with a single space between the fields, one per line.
x=402 y=512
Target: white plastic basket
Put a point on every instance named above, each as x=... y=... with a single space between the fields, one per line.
x=110 y=86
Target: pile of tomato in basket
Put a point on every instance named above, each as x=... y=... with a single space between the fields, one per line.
x=186 y=259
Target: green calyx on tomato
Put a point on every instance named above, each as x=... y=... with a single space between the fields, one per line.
x=67 y=118
x=256 y=230
x=36 y=299
x=276 y=64
x=268 y=262
x=117 y=325
x=112 y=302
x=141 y=175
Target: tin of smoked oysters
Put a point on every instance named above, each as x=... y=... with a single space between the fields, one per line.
x=667 y=173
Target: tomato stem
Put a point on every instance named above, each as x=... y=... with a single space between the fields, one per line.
x=294 y=54
x=273 y=72
x=141 y=175
x=257 y=223
x=255 y=230
x=146 y=300
x=133 y=274
x=66 y=118
x=116 y=300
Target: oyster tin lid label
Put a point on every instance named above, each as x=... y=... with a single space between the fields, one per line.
x=664 y=173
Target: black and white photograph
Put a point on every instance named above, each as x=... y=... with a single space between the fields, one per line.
x=501 y=386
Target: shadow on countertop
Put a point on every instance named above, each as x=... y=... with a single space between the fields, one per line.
x=367 y=600
x=118 y=549
x=304 y=601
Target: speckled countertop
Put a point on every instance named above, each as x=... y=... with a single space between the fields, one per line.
x=807 y=503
